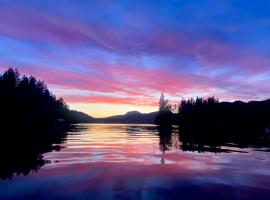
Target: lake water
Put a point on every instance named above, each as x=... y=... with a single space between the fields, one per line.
x=103 y=161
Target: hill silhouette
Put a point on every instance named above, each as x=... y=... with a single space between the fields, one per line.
x=132 y=117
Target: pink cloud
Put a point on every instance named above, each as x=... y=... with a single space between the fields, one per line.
x=46 y=27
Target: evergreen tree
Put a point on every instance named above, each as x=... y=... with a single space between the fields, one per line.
x=164 y=105
x=164 y=116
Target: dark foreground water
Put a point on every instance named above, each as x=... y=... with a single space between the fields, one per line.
x=135 y=162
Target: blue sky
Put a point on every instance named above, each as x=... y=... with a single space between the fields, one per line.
x=108 y=57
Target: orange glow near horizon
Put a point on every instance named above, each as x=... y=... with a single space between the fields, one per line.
x=100 y=110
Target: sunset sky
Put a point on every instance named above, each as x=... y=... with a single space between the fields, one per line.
x=110 y=57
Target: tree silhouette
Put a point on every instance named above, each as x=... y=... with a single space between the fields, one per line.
x=165 y=115
x=164 y=105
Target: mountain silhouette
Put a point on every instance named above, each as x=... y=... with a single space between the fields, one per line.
x=132 y=117
x=80 y=117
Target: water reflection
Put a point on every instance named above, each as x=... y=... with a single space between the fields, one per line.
x=104 y=161
x=21 y=151
x=171 y=137
x=105 y=143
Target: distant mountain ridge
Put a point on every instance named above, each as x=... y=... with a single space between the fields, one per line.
x=77 y=116
x=132 y=117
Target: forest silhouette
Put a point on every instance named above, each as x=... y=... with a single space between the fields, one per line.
x=27 y=102
x=206 y=121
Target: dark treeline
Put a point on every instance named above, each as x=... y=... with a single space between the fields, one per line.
x=27 y=102
x=208 y=121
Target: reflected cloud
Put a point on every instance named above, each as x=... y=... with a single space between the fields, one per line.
x=129 y=160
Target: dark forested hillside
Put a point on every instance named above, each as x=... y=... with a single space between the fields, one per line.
x=206 y=120
x=27 y=103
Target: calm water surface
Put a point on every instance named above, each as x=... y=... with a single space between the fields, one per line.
x=102 y=161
